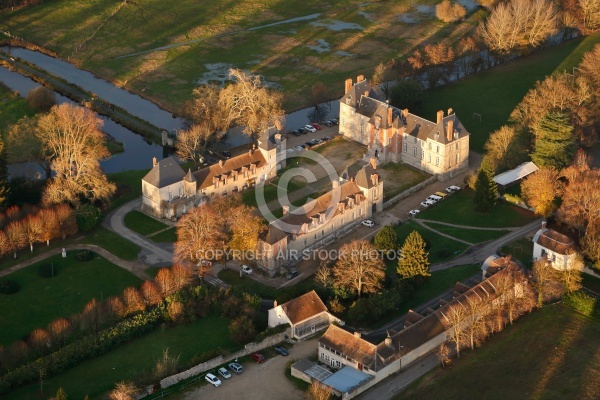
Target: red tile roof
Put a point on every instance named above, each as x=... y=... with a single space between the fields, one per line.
x=304 y=307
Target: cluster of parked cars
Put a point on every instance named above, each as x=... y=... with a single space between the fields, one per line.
x=315 y=142
x=314 y=127
x=434 y=198
x=237 y=368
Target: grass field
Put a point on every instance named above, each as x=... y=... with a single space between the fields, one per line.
x=142 y=224
x=499 y=90
x=440 y=248
x=133 y=361
x=112 y=242
x=470 y=235
x=551 y=354
x=521 y=249
x=129 y=186
x=399 y=177
x=41 y=300
x=202 y=39
x=168 y=236
x=460 y=209
x=13 y=108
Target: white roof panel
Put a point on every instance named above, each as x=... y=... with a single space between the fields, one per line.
x=515 y=174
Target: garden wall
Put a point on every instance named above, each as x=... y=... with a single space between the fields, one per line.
x=215 y=362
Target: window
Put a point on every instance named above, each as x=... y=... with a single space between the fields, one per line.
x=343 y=121
x=437 y=161
x=361 y=129
x=456 y=145
x=389 y=141
x=429 y=145
x=437 y=149
x=414 y=151
x=416 y=139
x=422 y=155
x=457 y=158
x=429 y=158
x=405 y=147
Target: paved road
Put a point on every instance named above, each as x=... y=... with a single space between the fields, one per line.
x=114 y=221
x=135 y=267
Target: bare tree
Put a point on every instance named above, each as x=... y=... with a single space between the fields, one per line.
x=166 y=365
x=39 y=339
x=60 y=329
x=590 y=13
x=383 y=76
x=250 y=103
x=581 y=200
x=15 y=232
x=359 y=268
x=545 y=281
x=199 y=233
x=318 y=391
x=245 y=227
x=124 y=391
x=449 y=12
x=323 y=276
x=50 y=225
x=73 y=136
x=133 y=300
x=151 y=293
x=571 y=277
x=115 y=308
x=191 y=143
x=476 y=306
x=205 y=109
x=5 y=245
x=92 y=316
x=590 y=243
x=454 y=318
x=164 y=280
x=443 y=354
x=540 y=190
x=505 y=148
x=182 y=276
x=67 y=224
x=467 y=55
x=34 y=229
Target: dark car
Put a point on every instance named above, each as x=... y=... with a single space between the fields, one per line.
x=325 y=138
x=328 y=123
x=226 y=154
x=295 y=132
x=259 y=358
x=292 y=273
x=335 y=121
x=303 y=131
x=281 y=350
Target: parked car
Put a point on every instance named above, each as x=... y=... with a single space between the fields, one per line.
x=298 y=148
x=295 y=132
x=325 y=138
x=328 y=123
x=292 y=273
x=235 y=367
x=310 y=128
x=441 y=194
x=413 y=212
x=317 y=126
x=213 y=380
x=369 y=223
x=452 y=188
x=226 y=154
x=246 y=269
x=302 y=131
x=259 y=358
x=335 y=121
x=224 y=373
x=430 y=202
x=425 y=204
x=281 y=350
x=433 y=198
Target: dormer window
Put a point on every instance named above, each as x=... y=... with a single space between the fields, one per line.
x=377 y=122
x=348 y=100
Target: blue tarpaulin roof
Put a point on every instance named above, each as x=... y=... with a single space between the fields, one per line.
x=347 y=379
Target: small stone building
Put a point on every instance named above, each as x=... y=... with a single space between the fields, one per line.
x=560 y=250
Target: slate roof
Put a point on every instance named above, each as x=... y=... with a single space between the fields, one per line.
x=555 y=241
x=205 y=176
x=166 y=172
x=359 y=89
x=304 y=307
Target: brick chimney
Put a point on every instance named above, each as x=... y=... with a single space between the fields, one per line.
x=450 y=130
x=440 y=116
x=366 y=93
x=450 y=111
x=348 y=85
x=153 y=161
x=220 y=163
x=357 y=334
x=335 y=184
x=274 y=303
x=373 y=162
x=390 y=116
x=405 y=113
x=250 y=152
x=360 y=78
x=543 y=225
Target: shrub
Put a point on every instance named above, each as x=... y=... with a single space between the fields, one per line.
x=449 y=12
x=48 y=270
x=41 y=98
x=583 y=303
x=88 y=217
x=8 y=286
x=242 y=330
x=443 y=253
x=84 y=255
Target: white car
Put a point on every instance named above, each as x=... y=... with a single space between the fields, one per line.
x=413 y=212
x=425 y=204
x=435 y=198
x=369 y=223
x=452 y=188
x=299 y=148
x=213 y=380
x=310 y=128
x=224 y=373
x=247 y=269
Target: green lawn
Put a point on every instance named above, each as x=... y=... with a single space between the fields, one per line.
x=521 y=249
x=460 y=209
x=470 y=235
x=134 y=361
x=168 y=236
x=497 y=91
x=41 y=300
x=142 y=224
x=440 y=248
x=129 y=186
x=13 y=108
x=112 y=242
x=398 y=177
x=591 y=282
x=551 y=354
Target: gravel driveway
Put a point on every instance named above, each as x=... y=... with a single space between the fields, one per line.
x=265 y=381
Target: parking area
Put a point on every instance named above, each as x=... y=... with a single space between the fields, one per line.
x=264 y=381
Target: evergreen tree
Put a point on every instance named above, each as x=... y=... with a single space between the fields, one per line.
x=385 y=239
x=414 y=260
x=486 y=189
x=4 y=184
x=555 y=144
